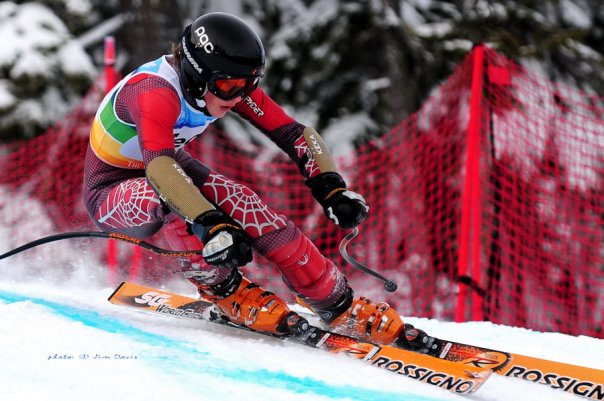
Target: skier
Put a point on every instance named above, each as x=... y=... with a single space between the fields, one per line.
x=139 y=180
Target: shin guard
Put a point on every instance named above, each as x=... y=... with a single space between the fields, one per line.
x=306 y=271
x=194 y=267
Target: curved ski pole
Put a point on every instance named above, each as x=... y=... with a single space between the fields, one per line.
x=99 y=234
x=389 y=285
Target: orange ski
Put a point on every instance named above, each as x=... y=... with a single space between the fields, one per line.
x=574 y=379
x=456 y=377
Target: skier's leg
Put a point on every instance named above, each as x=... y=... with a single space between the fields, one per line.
x=240 y=300
x=131 y=208
x=307 y=272
x=320 y=286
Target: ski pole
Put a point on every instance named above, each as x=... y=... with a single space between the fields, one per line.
x=99 y=234
x=389 y=285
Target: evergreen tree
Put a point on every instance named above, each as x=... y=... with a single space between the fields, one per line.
x=43 y=70
x=352 y=68
x=381 y=59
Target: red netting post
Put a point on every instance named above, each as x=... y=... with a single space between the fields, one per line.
x=111 y=78
x=110 y=73
x=471 y=198
x=135 y=263
x=110 y=81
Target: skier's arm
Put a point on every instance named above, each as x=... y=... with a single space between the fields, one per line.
x=311 y=154
x=154 y=106
x=301 y=143
x=155 y=112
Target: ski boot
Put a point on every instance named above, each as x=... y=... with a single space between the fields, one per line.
x=363 y=319
x=417 y=340
x=245 y=303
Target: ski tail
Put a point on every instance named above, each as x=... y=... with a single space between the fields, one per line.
x=159 y=301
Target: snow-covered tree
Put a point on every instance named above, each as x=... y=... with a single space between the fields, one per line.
x=561 y=38
x=356 y=68
x=351 y=68
x=43 y=70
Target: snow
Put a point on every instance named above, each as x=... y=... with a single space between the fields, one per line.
x=74 y=51
x=574 y=13
x=434 y=29
x=63 y=340
x=79 y=7
x=410 y=15
x=7 y=99
x=27 y=29
x=31 y=64
x=340 y=134
x=101 y=30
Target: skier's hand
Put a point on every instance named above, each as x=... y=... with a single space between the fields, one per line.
x=346 y=208
x=225 y=243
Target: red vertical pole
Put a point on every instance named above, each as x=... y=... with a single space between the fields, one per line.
x=135 y=263
x=110 y=73
x=111 y=78
x=471 y=198
x=110 y=81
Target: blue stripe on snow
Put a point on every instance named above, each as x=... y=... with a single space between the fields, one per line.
x=264 y=377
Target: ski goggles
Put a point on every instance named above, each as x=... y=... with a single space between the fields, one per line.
x=227 y=88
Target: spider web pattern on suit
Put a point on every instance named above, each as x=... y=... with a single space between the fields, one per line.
x=131 y=204
x=311 y=167
x=243 y=205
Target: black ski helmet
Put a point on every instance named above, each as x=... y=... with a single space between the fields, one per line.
x=219 y=46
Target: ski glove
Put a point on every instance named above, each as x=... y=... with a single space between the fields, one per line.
x=344 y=207
x=225 y=243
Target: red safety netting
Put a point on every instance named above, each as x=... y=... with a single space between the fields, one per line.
x=488 y=203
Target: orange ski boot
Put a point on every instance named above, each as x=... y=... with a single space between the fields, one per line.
x=363 y=319
x=246 y=303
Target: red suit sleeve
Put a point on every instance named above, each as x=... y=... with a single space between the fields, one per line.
x=154 y=106
x=263 y=112
x=270 y=118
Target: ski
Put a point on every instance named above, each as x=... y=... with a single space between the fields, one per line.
x=579 y=380
x=459 y=378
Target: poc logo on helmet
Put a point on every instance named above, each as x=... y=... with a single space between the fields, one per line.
x=204 y=40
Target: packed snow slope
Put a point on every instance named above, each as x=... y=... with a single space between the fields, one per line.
x=62 y=340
